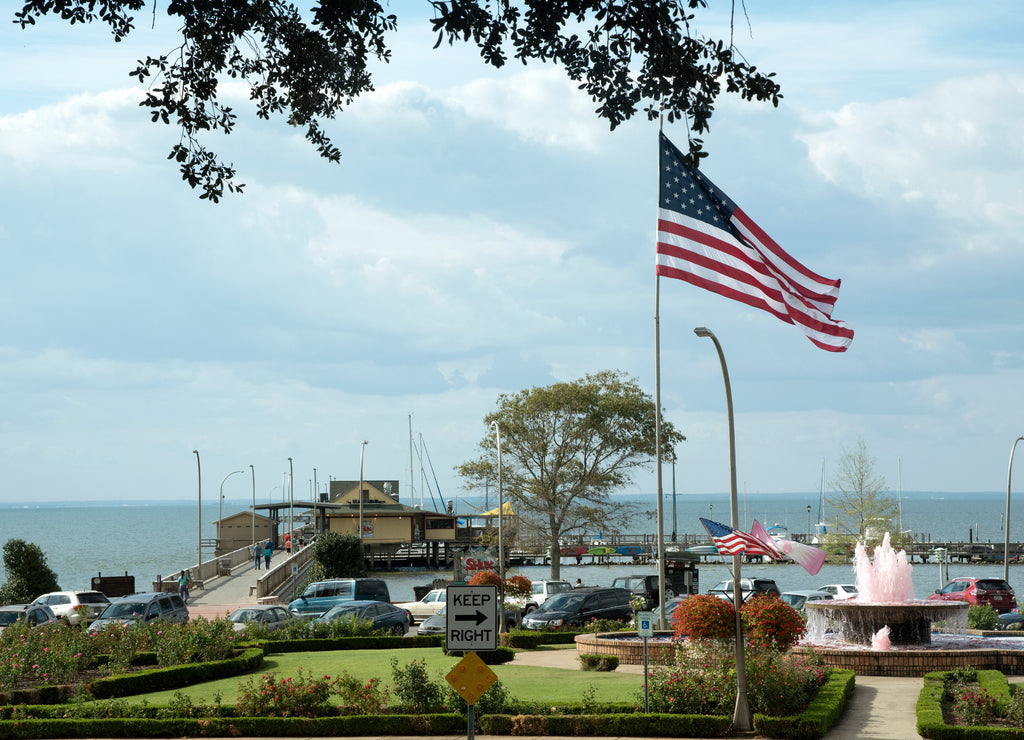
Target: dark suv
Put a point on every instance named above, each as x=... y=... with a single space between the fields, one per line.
x=992 y=591
x=579 y=606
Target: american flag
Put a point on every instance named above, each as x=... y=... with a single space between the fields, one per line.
x=731 y=541
x=705 y=239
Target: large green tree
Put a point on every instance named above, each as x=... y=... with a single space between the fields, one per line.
x=307 y=66
x=28 y=574
x=862 y=505
x=338 y=556
x=565 y=448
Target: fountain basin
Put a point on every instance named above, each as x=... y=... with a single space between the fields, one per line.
x=909 y=622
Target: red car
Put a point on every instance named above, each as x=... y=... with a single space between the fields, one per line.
x=992 y=591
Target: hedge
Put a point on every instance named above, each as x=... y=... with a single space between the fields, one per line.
x=819 y=716
x=930 y=723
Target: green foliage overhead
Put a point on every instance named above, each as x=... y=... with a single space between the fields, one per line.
x=28 y=575
x=307 y=66
x=338 y=556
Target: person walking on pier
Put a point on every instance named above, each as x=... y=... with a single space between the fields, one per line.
x=268 y=550
x=288 y=544
x=183 y=586
x=257 y=553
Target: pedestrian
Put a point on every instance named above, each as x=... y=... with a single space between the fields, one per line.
x=257 y=554
x=288 y=544
x=268 y=550
x=183 y=586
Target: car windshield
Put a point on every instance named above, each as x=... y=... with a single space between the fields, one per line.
x=339 y=612
x=794 y=600
x=567 y=602
x=93 y=599
x=992 y=584
x=123 y=610
x=243 y=615
x=9 y=617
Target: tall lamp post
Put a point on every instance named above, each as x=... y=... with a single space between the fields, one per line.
x=362 y=447
x=501 y=540
x=253 y=528
x=291 y=496
x=1006 y=531
x=220 y=508
x=808 y=524
x=199 y=475
x=742 y=717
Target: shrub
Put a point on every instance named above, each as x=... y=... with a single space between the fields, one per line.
x=518 y=587
x=360 y=698
x=974 y=707
x=593 y=662
x=703 y=617
x=769 y=622
x=418 y=693
x=301 y=696
x=1015 y=707
x=485 y=578
x=982 y=617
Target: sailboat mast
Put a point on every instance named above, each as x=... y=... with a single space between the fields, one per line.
x=412 y=473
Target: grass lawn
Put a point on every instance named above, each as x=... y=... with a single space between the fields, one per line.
x=530 y=683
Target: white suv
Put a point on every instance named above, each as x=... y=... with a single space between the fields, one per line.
x=75 y=607
x=542 y=590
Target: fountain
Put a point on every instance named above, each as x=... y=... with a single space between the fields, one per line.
x=885 y=631
x=885 y=599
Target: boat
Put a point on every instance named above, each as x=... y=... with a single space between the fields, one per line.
x=703 y=550
x=779 y=532
x=601 y=551
x=631 y=550
x=573 y=551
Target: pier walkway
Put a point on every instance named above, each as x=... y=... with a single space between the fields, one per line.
x=225 y=593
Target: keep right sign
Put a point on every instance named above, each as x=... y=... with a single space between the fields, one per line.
x=472 y=621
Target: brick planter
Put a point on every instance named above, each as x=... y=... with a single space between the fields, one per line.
x=629 y=651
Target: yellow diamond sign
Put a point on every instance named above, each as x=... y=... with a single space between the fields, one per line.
x=471 y=678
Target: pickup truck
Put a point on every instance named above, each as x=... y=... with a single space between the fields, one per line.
x=541 y=591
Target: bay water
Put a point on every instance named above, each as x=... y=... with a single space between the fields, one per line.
x=85 y=539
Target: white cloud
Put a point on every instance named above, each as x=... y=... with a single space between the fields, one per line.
x=934 y=341
x=956 y=149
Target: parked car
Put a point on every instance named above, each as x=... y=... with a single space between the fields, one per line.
x=798 y=599
x=992 y=591
x=645 y=586
x=75 y=607
x=579 y=606
x=318 y=597
x=436 y=624
x=268 y=617
x=840 y=591
x=431 y=603
x=142 y=608
x=542 y=591
x=1011 y=620
x=385 y=616
x=748 y=587
x=34 y=615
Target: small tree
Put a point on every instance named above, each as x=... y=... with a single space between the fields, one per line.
x=28 y=575
x=862 y=507
x=704 y=617
x=769 y=622
x=338 y=556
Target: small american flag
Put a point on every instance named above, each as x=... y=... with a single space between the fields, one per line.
x=731 y=541
x=705 y=239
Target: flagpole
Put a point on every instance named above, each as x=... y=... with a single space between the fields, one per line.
x=662 y=621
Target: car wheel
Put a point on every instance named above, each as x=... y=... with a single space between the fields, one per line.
x=530 y=608
x=398 y=630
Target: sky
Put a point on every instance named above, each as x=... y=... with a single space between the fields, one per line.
x=484 y=233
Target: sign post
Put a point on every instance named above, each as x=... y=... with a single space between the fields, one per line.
x=645 y=629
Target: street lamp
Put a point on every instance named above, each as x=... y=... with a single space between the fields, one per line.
x=808 y=524
x=291 y=496
x=501 y=541
x=362 y=447
x=742 y=718
x=253 y=528
x=220 y=509
x=711 y=512
x=199 y=475
x=1006 y=532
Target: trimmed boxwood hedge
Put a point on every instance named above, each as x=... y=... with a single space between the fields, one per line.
x=930 y=723
x=388 y=642
x=823 y=711
x=172 y=677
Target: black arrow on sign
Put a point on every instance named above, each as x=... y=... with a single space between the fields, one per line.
x=479 y=617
